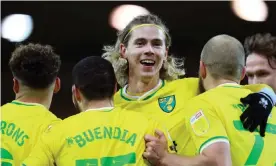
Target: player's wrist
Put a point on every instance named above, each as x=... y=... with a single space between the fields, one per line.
x=270 y=95
x=165 y=159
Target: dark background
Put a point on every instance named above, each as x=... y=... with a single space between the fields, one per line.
x=80 y=29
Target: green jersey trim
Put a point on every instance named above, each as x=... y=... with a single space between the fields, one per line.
x=211 y=141
x=146 y=96
x=24 y=103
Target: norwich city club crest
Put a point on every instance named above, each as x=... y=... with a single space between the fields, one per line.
x=167 y=103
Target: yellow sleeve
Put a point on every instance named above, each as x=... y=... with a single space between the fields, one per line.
x=45 y=149
x=256 y=87
x=203 y=125
x=262 y=88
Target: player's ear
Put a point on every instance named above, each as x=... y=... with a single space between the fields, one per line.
x=57 y=85
x=243 y=73
x=115 y=88
x=123 y=51
x=15 y=85
x=202 y=70
x=166 y=53
x=76 y=93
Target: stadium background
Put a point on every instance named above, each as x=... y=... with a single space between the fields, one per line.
x=80 y=29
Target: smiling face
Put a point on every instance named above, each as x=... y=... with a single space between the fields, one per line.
x=146 y=51
x=258 y=70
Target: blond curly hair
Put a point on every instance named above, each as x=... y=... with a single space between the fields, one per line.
x=172 y=68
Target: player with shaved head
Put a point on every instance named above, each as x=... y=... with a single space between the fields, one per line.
x=214 y=132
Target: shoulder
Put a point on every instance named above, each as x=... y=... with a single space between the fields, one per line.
x=255 y=87
x=5 y=105
x=5 y=108
x=185 y=81
x=218 y=97
x=118 y=94
x=58 y=125
x=189 y=80
x=51 y=116
x=189 y=85
x=118 y=98
x=204 y=101
x=73 y=118
x=46 y=117
x=201 y=100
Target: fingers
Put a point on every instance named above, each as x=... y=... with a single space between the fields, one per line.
x=149 y=149
x=246 y=100
x=263 y=127
x=251 y=98
x=247 y=120
x=154 y=146
x=247 y=123
x=157 y=144
x=159 y=133
x=150 y=155
x=253 y=126
x=244 y=115
x=149 y=138
x=161 y=136
x=146 y=155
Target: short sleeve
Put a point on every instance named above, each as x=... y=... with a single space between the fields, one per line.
x=204 y=125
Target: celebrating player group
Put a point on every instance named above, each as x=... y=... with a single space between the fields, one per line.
x=156 y=117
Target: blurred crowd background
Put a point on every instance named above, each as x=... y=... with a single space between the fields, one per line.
x=79 y=29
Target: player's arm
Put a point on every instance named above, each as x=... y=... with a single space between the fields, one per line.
x=217 y=154
x=207 y=133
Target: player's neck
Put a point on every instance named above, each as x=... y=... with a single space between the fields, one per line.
x=97 y=104
x=211 y=83
x=140 y=86
x=42 y=98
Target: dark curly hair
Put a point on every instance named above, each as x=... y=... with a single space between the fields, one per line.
x=35 y=65
x=264 y=44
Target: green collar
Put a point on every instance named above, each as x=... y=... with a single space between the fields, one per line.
x=145 y=96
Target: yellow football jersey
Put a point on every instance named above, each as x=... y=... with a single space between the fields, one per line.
x=214 y=117
x=165 y=102
x=103 y=137
x=166 y=99
x=21 y=125
x=256 y=87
